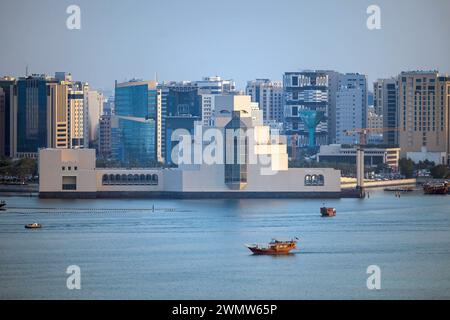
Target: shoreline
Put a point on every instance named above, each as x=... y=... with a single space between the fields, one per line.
x=19 y=190
x=348 y=190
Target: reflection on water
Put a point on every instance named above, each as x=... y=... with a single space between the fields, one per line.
x=194 y=249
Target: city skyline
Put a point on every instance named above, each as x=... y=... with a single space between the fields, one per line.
x=224 y=158
x=232 y=40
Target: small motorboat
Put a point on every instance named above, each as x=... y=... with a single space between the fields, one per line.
x=33 y=226
x=275 y=247
x=327 y=212
x=2 y=205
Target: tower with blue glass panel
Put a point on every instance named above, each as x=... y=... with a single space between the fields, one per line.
x=30 y=96
x=134 y=129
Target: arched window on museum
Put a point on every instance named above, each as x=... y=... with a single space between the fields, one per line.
x=105 y=179
x=112 y=178
x=155 y=179
x=148 y=179
x=142 y=178
x=123 y=178
x=314 y=180
x=136 y=179
x=320 y=180
x=307 y=180
x=130 y=179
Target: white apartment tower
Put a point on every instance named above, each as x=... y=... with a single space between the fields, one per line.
x=269 y=95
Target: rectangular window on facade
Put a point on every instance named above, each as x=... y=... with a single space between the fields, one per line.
x=69 y=183
x=295 y=81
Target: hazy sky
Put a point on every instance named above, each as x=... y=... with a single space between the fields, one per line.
x=239 y=39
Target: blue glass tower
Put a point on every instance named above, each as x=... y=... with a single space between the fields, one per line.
x=134 y=135
x=6 y=84
x=31 y=95
x=183 y=109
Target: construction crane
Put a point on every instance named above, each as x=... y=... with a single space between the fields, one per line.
x=363 y=132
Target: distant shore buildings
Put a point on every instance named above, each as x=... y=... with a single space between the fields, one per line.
x=311 y=108
x=249 y=162
x=45 y=112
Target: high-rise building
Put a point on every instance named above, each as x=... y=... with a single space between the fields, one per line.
x=104 y=145
x=182 y=112
x=84 y=86
x=423 y=104
x=77 y=110
x=108 y=105
x=58 y=131
x=269 y=95
x=29 y=117
x=385 y=104
x=163 y=101
x=134 y=125
x=95 y=110
x=333 y=86
x=7 y=85
x=78 y=115
x=46 y=112
x=208 y=107
x=2 y=122
x=63 y=76
x=305 y=108
x=208 y=89
x=348 y=114
x=347 y=105
x=215 y=85
x=374 y=121
x=369 y=98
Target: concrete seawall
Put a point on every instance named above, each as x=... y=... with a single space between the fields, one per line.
x=19 y=190
x=348 y=191
x=193 y=195
x=377 y=184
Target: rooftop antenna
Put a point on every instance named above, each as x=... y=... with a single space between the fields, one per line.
x=156 y=76
x=26 y=70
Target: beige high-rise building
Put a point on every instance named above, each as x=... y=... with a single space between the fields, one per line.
x=423 y=105
x=76 y=118
x=57 y=117
x=78 y=115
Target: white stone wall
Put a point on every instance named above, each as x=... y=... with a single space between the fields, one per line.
x=212 y=179
x=54 y=165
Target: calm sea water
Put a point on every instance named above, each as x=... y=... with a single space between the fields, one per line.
x=195 y=249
